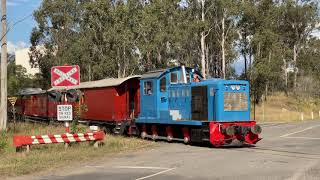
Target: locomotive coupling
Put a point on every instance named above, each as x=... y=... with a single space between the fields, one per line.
x=256 y=129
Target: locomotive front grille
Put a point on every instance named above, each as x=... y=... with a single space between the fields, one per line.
x=235 y=101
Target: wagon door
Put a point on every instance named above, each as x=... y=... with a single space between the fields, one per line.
x=163 y=95
x=148 y=100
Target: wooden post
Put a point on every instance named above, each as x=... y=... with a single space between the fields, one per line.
x=3 y=78
x=302 y=116
x=312 y=115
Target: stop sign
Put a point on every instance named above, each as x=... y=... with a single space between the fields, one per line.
x=65 y=75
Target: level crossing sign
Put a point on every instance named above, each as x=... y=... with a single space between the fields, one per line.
x=65 y=75
x=12 y=100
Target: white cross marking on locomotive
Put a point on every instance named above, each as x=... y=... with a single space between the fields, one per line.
x=65 y=76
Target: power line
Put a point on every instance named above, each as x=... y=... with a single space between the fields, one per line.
x=15 y=23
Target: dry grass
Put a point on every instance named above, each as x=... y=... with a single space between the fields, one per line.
x=280 y=107
x=44 y=157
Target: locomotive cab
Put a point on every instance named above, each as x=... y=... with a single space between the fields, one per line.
x=213 y=110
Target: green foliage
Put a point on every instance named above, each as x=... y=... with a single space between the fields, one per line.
x=3 y=141
x=18 y=79
x=125 y=37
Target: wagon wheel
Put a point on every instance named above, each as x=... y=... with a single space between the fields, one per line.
x=123 y=128
x=23 y=118
x=51 y=121
x=106 y=130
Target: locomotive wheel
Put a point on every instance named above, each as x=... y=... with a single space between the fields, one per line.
x=154 y=137
x=143 y=135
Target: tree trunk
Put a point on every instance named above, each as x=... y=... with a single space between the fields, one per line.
x=244 y=53
x=89 y=72
x=223 y=46
x=259 y=49
x=285 y=72
x=203 y=58
x=119 y=63
x=149 y=62
x=207 y=58
x=245 y=64
x=295 y=54
x=125 y=63
x=250 y=62
x=267 y=83
x=159 y=56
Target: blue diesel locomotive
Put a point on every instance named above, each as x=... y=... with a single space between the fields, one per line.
x=177 y=104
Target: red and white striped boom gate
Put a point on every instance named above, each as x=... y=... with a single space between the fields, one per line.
x=20 y=141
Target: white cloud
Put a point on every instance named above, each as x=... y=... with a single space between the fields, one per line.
x=12 y=47
x=316 y=33
x=16 y=2
x=9 y=3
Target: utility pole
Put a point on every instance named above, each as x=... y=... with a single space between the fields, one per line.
x=4 y=62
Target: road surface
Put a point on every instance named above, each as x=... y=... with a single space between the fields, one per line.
x=288 y=151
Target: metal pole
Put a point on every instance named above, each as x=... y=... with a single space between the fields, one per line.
x=14 y=118
x=3 y=83
x=14 y=114
x=254 y=104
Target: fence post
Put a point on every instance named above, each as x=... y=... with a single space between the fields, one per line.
x=263 y=111
x=28 y=148
x=302 y=116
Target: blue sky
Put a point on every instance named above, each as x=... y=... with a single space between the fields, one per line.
x=18 y=36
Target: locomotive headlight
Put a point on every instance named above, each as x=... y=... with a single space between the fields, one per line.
x=256 y=129
x=233 y=87
x=238 y=87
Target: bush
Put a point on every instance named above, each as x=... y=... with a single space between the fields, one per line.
x=3 y=140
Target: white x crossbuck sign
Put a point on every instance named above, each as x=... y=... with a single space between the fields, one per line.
x=65 y=76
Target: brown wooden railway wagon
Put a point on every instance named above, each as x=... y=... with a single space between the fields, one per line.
x=32 y=102
x=111 y=103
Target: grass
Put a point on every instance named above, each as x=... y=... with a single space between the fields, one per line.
x=280 y=107
x=46 y=157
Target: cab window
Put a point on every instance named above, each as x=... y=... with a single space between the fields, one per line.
x=174 y=78
x=147 y=87
x=163 y=84
x=188 y=77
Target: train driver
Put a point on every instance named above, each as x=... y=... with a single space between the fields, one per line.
x=196 y=78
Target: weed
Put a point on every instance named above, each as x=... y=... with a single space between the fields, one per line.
x=3 y=141
x=280 y=107
x=44 y=157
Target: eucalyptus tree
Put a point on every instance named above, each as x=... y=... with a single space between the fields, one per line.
x=298 y=20
x=223 y=17
x=51 y=40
